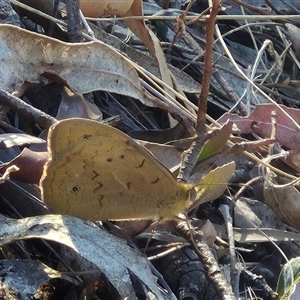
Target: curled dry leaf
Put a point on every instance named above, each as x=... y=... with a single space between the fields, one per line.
x=83 y=67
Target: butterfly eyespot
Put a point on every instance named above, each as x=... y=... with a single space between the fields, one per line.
x=75 y=189
x=109 y=160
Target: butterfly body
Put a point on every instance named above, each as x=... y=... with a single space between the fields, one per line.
x=96 y=172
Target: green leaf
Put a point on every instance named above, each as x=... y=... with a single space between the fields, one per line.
x=288 y=279
x=217 y=143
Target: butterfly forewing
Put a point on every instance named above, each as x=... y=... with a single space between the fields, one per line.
x=103 y=174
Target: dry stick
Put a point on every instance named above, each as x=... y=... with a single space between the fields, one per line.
x=16 y=104
x=259 y=10
x=259 y=282
x=212 y=269
x=197 y=241
x=234 y=272
x=73 y=19
x=247 y=185
x=202 y=134
x=200 y=18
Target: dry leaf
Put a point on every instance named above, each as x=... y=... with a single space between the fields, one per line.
x=92 y=8
x=75 y=106
x=110 y=254
x=8 y=140
x=83 y=67
x=213 y=185
x=285 y=202
x=30 y=164
x=249 y=213
x=294 y=32
x=167 y=155
x=126 y=8
x=259 y=122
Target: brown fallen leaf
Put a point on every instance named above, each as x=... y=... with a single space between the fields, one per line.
x=30 y=164
x=285 y=202
x=83 y=67
x=125 y=8
x=259 y=122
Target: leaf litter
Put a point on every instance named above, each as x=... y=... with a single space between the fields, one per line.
x=30 y=61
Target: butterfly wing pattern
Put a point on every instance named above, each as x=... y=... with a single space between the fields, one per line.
x=97 y=172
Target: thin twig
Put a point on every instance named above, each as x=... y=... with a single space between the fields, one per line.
x=16 y=104
x=210 y=264
x=234 y=272
x=202 y=134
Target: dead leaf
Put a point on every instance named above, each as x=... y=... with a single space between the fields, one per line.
x=8 y=140
x=249 y=213
x=213 y=185
x=75 y=106
x=293 y=160
x=83 y=67
x=185 y=81
x=285 y=202
x=294 y=33
x=92 y=8
x=169 y=156
x=110 y=254
x=259 y=122
x=30 y=165
x=208 y=230
x=126 y=8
